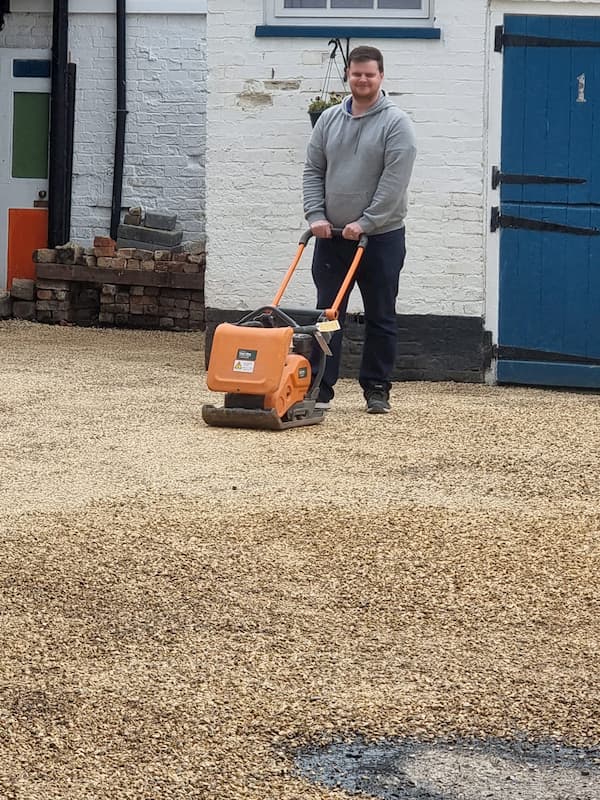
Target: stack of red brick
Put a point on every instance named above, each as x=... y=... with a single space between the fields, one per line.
x=127 y=287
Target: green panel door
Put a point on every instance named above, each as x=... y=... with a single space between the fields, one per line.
x=30 y=134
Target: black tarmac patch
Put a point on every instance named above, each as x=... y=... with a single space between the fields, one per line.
x=474 y=769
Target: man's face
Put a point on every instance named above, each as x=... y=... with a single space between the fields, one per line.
x=365 y=80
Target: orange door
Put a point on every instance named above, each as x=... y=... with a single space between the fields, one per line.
x=27 y=231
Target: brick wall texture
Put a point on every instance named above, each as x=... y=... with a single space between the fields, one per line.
x=258 y=129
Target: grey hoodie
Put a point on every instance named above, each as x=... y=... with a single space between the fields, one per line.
x=358 y=168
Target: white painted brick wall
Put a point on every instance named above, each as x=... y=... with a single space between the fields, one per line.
x=27 y=31
x=166 y=120
x=258 y=130
x=166 y=123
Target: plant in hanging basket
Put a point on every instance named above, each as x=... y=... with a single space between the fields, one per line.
x=318 y=104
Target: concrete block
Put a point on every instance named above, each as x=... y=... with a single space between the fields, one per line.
x=157 y=219
x=147 y=235
x=153 y=245
x=22 y=289
x=23 y=309
x=5 y=305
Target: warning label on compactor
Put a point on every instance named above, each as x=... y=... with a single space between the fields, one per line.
x=245 y=360
x=243 y=366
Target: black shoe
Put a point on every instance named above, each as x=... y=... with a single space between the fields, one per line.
x=377 y=397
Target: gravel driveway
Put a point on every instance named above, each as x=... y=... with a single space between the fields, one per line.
x=182 y=606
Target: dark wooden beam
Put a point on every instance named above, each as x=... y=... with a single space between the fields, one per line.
x=129 y=277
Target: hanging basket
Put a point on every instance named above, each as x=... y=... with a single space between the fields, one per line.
x=327 y=97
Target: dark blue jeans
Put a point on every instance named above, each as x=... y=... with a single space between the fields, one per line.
x=377 y=278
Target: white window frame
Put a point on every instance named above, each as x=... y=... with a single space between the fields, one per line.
x=276 y=14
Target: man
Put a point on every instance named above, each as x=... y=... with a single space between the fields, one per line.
x=358 y=166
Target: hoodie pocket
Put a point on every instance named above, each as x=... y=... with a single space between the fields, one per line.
x=345 y=207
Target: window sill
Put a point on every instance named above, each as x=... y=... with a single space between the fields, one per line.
x=347 y=31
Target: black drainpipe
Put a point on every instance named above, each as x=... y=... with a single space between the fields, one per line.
x=117 y=191
x=58 y=179
x=4 y=9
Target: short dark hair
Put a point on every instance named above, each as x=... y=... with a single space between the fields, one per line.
x=366 y=53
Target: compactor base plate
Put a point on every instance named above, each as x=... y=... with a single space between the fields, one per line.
x=261 y=419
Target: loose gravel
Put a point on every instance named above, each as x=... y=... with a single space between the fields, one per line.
x=184 y=606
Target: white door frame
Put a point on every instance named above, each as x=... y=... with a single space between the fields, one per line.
x=8 y=85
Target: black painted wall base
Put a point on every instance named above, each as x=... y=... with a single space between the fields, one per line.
x=430 y=347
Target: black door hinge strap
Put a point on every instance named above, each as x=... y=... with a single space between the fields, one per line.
x=511 y=353
x=505 y=177
x=502 y=40
x=498 y=220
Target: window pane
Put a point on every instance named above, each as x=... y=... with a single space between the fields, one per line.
x=30 y=135
x=305 y=4
x=399 y=4
x=352 y=3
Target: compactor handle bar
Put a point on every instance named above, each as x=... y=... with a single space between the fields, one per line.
x=307 y=236
x=330 y=313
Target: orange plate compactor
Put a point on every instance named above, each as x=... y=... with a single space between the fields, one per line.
x=262 y=364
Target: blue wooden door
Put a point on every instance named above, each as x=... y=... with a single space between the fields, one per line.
x=549 y=215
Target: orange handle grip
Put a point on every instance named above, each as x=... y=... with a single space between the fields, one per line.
x=332 y=312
